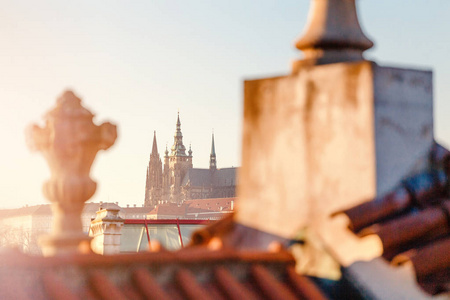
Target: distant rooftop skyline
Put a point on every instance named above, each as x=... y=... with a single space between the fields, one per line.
x=137 y=64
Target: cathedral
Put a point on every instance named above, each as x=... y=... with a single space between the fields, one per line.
x=178 y=181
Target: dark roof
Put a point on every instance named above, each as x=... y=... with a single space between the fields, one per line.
x=197 y=177
x=207 y=177
x=191 y=273
x=413 y=223
x=224 y=177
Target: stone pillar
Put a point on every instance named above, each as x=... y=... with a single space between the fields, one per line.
x=332 y=134
x=69 y=142
x=106 y=230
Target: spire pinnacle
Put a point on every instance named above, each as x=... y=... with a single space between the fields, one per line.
x=155 y=145
x=212 y=156
x=213 y=148
x=178 y=148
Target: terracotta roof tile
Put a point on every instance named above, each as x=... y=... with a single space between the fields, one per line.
x=147 y=285
x=230 y=286
x=413 y=223
x=54 y=287
x=192 y=273
x=212 y=204
x=269 y=285
x=190 y=288
x=303 y=287
x=170 y=209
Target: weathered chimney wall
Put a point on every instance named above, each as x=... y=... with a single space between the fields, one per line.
x=326 y=138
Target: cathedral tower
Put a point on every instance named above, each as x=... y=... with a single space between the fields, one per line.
x=178 y=164
x=154 y=181
x=177 y=181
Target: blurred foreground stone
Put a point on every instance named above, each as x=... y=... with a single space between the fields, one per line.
x=69 y=142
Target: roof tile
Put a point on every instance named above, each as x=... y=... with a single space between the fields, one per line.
x=413 y=223
x=192 y=273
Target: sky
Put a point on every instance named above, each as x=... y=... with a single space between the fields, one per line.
x=137 y=63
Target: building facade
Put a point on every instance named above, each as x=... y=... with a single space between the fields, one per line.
x=178 y=181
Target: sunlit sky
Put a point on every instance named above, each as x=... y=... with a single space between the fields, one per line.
x=136 y=63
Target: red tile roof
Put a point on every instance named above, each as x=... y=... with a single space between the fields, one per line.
x=206 y=208
x=413 y=223
x=171 y=209
x=192 y=273
x=213 y=204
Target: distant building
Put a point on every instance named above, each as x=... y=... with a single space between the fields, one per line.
x=179 y=181
x=21 y=227
x=198 y=209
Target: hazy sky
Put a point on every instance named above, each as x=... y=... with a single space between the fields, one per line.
x=136 y=63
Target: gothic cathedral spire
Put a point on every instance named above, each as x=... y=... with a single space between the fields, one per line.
x=178 y=148
x=155 y=146
x=153 y=188
x=176 y=180
x=176 y=166
x=212 y=156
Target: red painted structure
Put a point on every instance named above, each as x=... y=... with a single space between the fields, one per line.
x=168 y=221
x=176 y=222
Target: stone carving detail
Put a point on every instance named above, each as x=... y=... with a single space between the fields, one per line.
x=333 y=34
x=69 y=142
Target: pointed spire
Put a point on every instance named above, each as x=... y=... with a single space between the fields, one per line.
x=190 y=150
x=212 y=156
x=155 y=145
x=178 y=148
x=178 y=121
x=213 y=148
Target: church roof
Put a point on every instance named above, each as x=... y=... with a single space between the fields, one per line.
x=208 y=177
x=197 y=177
x=224 y=177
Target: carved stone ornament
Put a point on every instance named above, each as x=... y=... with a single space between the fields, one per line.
x=69 y=142
x=333 y=34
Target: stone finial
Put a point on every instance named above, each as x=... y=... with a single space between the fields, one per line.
x=69 y=142
x=333 y=34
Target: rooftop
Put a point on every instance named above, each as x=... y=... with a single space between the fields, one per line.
x=192 y=273
x=413 y=223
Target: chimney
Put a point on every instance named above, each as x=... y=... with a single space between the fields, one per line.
x=336 y=132
x=106 y=230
